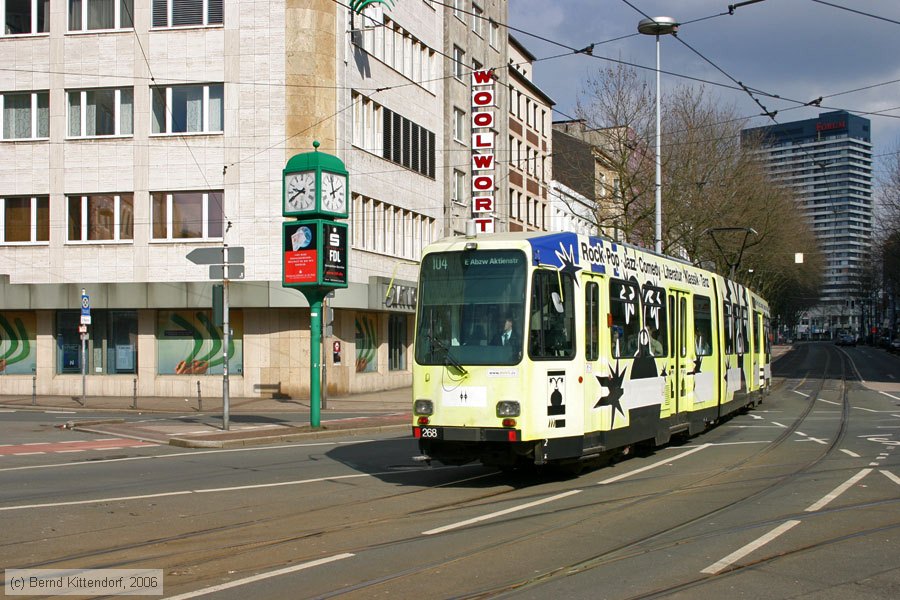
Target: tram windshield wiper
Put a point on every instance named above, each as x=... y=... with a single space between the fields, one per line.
x=448 y=358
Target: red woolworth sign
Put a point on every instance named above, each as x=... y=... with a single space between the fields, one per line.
x=315 y=253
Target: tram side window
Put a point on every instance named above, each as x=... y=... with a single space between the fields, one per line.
x=702 y=326
x=653 y=303
x=552 y=326
x=729 y=330
x=767 y=325
x=624 y=331
x=743 y=339
x=592 y=326
x=757 y=326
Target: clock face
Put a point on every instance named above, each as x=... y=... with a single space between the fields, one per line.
x=334 y=192
x=300 y=191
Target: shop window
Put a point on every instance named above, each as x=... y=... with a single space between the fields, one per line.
x=111 y=345
x=189 y=343
x=366 y=344
x=397 y=341
x=18 y=348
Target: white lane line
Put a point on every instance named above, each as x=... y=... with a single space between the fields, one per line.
x=889 y=395
x=500 y=513
x=891 y=476
x=838 y=491
x=779 y=424
x=866 y=409
x=742 y=552
x=68 y=451
x=654 y=465
x=830 y=402
x=26 y=453
x=279 y=484
x=801 y=393
x=94 y=501
x=59 y=412
x=849 y=453
x=261 y=576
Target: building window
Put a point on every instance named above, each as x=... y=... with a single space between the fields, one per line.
x=91 y=15
x=26 y=16
x=366 y=344
x=25 y=115
x=397 y=343
x=494 y=35
x=477 y=20
x=407 y=143
x=100 y=218
x=367 y=122
x=188 y=108
x=188 y=342
x=183 y=215
x=458 y=10
x=100 y=112
x=183 y=13
x=25 y=220
x=459 y=125
x=458 y=193
x=459 y=62
x=111 y=347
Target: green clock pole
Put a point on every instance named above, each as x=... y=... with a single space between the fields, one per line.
x=315 y=298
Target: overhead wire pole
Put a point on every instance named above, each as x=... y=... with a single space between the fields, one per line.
x=226 y=338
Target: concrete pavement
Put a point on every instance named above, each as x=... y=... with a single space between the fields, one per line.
x=251 y=420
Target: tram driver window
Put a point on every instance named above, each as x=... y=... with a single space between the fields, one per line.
x=625 y=326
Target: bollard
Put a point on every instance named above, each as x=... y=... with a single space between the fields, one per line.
x=199 y=398
x=33 y=387
x=134 y=394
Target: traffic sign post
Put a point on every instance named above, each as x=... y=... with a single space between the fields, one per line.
x=225 y=262
x=85 y=321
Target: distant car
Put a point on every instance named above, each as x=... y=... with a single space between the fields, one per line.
x=895 y=346
x=845 y=340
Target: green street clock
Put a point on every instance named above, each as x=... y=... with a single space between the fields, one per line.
x=315 y=184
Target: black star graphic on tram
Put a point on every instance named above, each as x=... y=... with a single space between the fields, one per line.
x=567 y=258
x=614 y=385
x=697 y=362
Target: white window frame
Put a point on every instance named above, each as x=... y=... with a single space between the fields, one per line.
x=168 y=109
x=82 y=107
x=117 y=220
x=459 y=62
x=477 y=20
x=457 y=194
x=204 y=235
x=458 y=10
x=459 y=125
x=34 y=115
x=170 y=10
x=494 y=34
x=34 y=19
x=117 y=17
x=33 y=241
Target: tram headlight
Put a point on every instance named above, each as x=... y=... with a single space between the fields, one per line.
x=423 y=407
x=508 y=408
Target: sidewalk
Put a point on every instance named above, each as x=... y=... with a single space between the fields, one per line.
x=199 y=424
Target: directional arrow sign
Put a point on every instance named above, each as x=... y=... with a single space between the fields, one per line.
x=216 y=256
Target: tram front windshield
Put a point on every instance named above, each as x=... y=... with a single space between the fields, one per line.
x=471 y=307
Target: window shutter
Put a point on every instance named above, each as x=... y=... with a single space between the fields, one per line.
x=160 y=13
x=215 y=12
x=187 y=12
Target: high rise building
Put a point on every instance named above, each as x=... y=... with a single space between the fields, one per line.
x=827 y=163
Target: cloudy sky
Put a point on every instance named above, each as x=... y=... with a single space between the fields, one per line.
x=795 y=49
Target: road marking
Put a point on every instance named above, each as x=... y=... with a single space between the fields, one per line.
x=801 y=393
x=849 y=453
x=279 y=484
x=500 y=513
x=262 y=576
x=77 y=502
x=780 y=425
x=809 y=438
x=26 y=453
x=891 y=476
x=838 y=491
x=742 y=552
x=866 y=409
x=654 y=465
x=889 y=395
x=52 y=447
x=830 y=402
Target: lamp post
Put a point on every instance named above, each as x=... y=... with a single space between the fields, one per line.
x=658 y=26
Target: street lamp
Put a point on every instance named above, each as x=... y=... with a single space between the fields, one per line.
x=658 y=26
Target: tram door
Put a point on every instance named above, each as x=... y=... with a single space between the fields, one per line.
x=680 y=384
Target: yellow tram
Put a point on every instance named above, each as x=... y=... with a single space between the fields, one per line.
x=552 y=348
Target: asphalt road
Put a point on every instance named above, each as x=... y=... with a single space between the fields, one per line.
x=798 y=498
